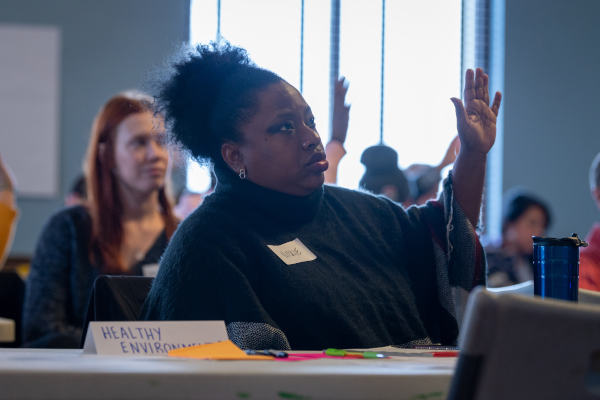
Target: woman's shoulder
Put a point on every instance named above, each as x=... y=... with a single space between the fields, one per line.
x=74 y=214
x=75 y=219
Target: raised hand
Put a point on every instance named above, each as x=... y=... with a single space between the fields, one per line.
x=476 y=120
x=341 y=111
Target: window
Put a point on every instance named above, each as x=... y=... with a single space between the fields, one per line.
x=422 y=66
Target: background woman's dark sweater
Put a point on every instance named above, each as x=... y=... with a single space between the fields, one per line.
x=61 y=279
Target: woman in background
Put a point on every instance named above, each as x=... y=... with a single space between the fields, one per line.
x=8 y=210
x=511 y=261
x=124 y=227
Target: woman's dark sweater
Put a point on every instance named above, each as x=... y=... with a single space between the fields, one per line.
x=60 y=282
x=382 y=275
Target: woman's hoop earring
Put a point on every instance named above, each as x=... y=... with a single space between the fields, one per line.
x=242 y=173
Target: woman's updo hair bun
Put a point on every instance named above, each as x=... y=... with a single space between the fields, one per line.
x=204 y=93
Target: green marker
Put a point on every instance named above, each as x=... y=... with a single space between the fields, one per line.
x=353 y=354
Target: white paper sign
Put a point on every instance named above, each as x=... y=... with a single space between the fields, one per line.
x=293 y=252
x=150 y=338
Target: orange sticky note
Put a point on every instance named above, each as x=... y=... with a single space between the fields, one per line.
x=225 y=350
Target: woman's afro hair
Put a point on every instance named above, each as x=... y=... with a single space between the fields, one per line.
x=203 y=93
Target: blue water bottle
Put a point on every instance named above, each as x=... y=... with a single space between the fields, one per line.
x=556 y=267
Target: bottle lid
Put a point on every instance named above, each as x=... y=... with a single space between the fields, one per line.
x=572 y=241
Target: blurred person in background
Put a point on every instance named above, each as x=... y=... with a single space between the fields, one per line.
x=589 y=257
x=339 y=128
x=11 y=285
x=78 y=193
x=383 y=175
x=8 y=210
x=123 y=228
x=511 y=261
x=416 y=185
x=424 y=180
x=189 y=201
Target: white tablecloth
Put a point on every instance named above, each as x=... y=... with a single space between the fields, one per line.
x=68 y=374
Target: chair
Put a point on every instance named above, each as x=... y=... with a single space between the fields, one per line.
x=116 y=298
x=515 y=347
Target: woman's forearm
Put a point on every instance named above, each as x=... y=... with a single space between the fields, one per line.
x=468 y=176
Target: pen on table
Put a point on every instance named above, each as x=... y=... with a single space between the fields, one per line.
x=434 y=347
x=272 y=353
x=353 y=354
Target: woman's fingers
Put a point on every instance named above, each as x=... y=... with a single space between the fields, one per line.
x=479 y=84
x=469 y=85
x=496 y=106
x=486 y=89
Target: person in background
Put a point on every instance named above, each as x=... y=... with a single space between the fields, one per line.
x=11 y=286
x=78 y=193
x=511 y=261
x=416 y=185
x=123 y=228
x=8 y=210
x=339 y=128
x=189 y=201
x=383 y=175
x=424 y=180
x=290 y=263
x=589 y=257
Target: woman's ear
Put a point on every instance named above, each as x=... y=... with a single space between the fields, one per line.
x=233 y=157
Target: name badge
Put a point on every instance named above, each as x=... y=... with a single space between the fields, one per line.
x=150 y=338
x=293 y=252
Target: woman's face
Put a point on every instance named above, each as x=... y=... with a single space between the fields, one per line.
x=140 y=160
x=531 y=223
x=282 y=149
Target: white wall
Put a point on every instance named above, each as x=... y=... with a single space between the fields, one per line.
x=552 y=105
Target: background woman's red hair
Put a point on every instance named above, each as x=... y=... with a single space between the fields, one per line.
x=105 y=206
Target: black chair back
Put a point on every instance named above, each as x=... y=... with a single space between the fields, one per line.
x=12 y=293
x=116 y=298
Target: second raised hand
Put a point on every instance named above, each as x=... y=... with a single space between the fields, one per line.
x=476 y=120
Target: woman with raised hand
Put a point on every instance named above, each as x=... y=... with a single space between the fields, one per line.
x=123 y=228
x=289 y=263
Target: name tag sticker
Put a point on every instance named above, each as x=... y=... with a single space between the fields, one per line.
x=293 y=252
x=150 y=338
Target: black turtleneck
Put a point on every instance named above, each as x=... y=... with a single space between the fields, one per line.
x=375 y=280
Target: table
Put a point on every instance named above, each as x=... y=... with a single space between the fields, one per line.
x=69 y=374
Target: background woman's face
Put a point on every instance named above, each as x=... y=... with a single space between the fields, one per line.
x=282 y=149
x=531 y=223
x=140 y=160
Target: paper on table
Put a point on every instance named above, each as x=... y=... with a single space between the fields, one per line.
x=224 y=350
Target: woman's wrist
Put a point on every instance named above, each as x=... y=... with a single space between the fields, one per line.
x=471 y=158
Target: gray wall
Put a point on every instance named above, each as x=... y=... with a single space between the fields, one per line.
x=552 y=88
x=107 y=47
